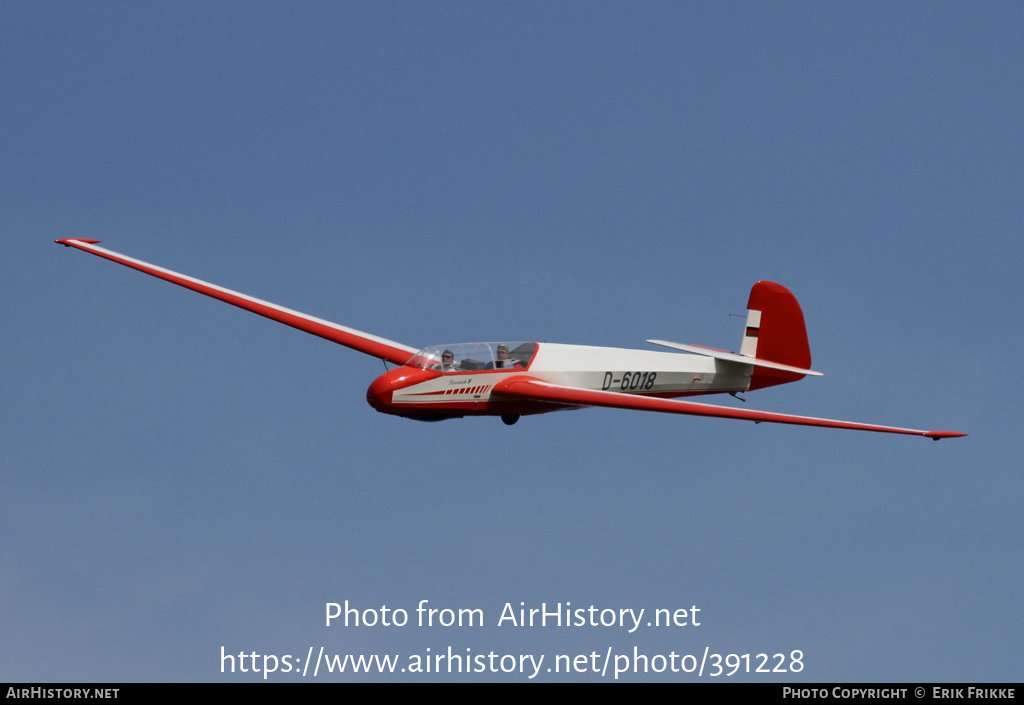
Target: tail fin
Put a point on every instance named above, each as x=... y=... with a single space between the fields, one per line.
x=775 y=332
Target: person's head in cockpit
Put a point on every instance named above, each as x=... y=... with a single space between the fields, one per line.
x=503 y=360
x=448 y=361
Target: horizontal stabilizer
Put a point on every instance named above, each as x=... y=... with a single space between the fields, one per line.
x=733 y=357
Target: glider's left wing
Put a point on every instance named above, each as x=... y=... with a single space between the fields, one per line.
x=525 y=387
x=349 y=337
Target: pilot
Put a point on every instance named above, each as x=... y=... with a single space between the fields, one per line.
x=503 y=361
x=448 y=363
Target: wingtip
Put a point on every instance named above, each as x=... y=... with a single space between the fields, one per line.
x=939 y=435
x=66 y=241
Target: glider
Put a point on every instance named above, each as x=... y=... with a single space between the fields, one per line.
x=522 y=378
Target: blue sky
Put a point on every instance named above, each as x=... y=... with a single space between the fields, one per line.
x=181 y=476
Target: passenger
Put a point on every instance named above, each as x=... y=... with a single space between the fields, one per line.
x=503 y=361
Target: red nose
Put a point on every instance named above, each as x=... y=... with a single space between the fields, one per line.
x=379 y=394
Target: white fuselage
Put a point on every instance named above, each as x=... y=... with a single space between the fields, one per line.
x=646 y=372
x=638 y=371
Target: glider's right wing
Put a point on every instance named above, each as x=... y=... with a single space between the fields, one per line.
x=349 y=337
x=526 y=387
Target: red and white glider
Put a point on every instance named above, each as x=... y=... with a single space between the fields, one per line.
x=516 y=379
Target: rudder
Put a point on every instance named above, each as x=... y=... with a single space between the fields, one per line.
x=775 y=332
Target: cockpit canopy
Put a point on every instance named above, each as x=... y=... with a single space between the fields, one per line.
x=470 y=357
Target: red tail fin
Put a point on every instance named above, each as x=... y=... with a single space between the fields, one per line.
x=775 y=332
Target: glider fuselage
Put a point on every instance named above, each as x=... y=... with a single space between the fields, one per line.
x=425 y=389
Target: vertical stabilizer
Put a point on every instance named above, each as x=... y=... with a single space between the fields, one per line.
x=775 y=332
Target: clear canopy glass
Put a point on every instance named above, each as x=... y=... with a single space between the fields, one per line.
x=471 y=357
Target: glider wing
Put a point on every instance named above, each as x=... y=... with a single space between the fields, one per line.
x=526 y=387
x=349 y=337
